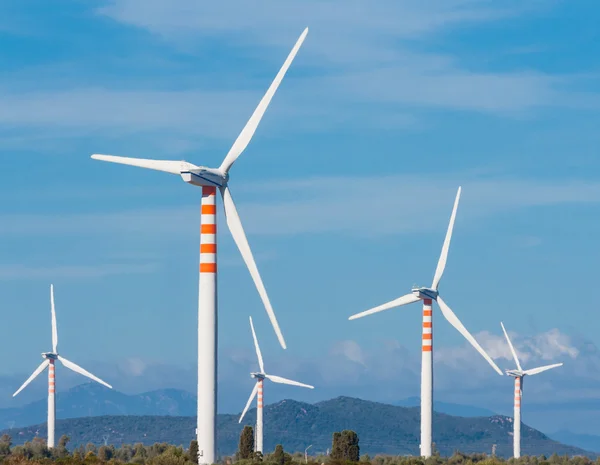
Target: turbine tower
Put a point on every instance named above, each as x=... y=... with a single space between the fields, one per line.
x=50 y=359
x=519 y=375
x=258 y=390
x=427 y=295
x=209 y=179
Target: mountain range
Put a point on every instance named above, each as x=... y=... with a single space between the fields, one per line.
x=93 y=414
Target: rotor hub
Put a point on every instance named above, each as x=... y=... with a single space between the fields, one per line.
x=425 y=293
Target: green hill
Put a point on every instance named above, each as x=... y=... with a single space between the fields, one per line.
x=382 y=428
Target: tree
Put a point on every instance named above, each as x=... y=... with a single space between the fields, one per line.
x=140 y=453
x=90 y=448
x=63 y=441
x=345 y=446
x=278 y=456
x=61 y=450
x=193 y=451
x=105 y=454
x=90 y=457
x=246 y=446
x=337 y=452
x=5 y=444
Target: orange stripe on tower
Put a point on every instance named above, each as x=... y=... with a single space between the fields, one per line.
x=427 y=348
x=208 y=267
x=208 y=248
x=209 y=209
x=208 y=229
x=426 y=312
x=209 y=190
x=427 y=324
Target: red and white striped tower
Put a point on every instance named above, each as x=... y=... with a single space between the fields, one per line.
x=517 y=418
x=259 y=417
x=51 y=402
x=427 y=380
x=207 y=330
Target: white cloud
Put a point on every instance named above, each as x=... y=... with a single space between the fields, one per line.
x=350 y=350
x=133 y=366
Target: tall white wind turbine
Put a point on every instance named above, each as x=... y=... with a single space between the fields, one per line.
x=258 y=390
x=519 y=375
x=427 y=295
x=50 y=359
x=210 y=179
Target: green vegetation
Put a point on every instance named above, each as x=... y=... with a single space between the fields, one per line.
x=344 y=451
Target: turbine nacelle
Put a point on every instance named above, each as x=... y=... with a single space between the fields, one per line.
x=203 y=176
x=425 y=293
x=258 y=375
x=515 y=373
x=50 y=355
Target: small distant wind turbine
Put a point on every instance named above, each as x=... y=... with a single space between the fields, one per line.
x=49 y=361
x=258 y=390
x=519 y=375
x=427 y=295
x=211 y=179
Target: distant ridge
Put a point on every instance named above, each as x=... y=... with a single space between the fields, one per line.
x=382 y=428
x=448 y=408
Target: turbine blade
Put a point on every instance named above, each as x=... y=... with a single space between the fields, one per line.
x=258 y=353
x=246 y=135
x=37 y=371
x=250 y=399
x=454 y=321
x=81 y=371
x=512 y=349
x=280 y=380
x=54 y=328
x=535 y=371
x=404 y=300
x=444 y=255
x=168 y=166
x=239 y=236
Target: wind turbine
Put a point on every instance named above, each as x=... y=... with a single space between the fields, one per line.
x=519 y=375
x=210 y=179
x=258 y=390
x=427 y=295
x=50 y=359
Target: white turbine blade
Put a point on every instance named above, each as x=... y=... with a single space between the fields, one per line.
x=168 y=166
x=258 y=354
x=404 y=300
x=280 y=380
x=37 y=371
x=239 y=236
x=454 y=321
x=535 y=371
x=444 y=255
x=512 y=349
x=81 y=371
x=250 y=399
x=54 y=328
x=246 y=135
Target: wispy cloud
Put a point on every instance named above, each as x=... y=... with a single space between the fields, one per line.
x=363 y=65
x=329 y=205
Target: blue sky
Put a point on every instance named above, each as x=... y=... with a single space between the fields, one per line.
x=345 y=190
